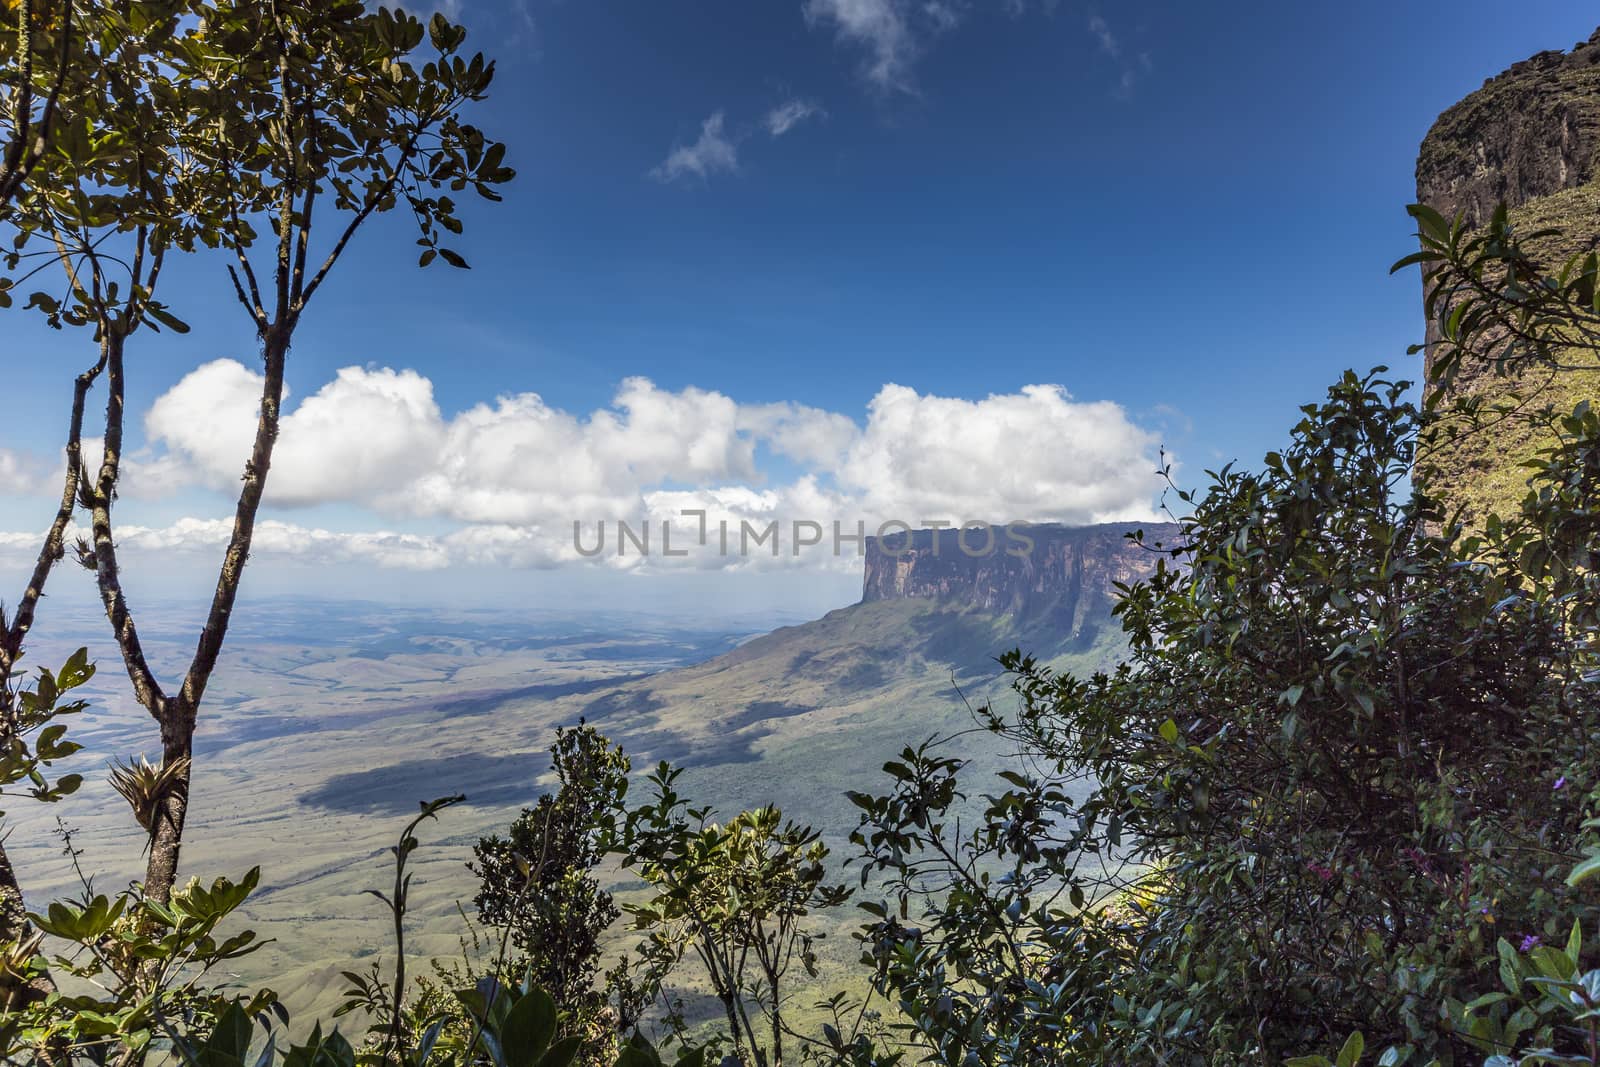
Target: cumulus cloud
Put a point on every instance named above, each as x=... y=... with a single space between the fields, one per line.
x=21 y=473
x=517 y=473
x=521 y=460
x=807 y=435
x=376 y=437
x=713 y=153
x=789 y=114
x=367 y=431
x=1033 y=455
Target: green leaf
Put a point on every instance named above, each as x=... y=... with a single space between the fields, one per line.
x=562 y=1053
x=1584 y=871
x=528 y=1029
x=231 y=1035
x=167 y=319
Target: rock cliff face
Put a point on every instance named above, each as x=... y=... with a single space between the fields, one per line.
x=1030 y=571
x=1530 y=132
x=1530 y=137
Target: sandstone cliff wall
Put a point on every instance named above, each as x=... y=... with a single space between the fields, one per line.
x=1529 y=137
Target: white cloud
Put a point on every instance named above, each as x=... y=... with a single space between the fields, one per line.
x=20 y=543
x=522 y=461
x=807 y=435
x=283 y=540
x=516 y=473
x=366 y=431
x=713 y=153
x=375 y=437
x=21 y=473
x=1034 y=455
x=943 y=15
x=893 y=33
x=209 y=420
x=273 y=539
x=789 y=114
x=879 y=26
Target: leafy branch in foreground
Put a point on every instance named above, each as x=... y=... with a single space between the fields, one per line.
x=735 y=897
x=1493 y=302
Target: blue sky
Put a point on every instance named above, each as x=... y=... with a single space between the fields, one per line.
x=1180 y=214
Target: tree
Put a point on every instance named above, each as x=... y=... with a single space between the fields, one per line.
x=105 y=216
x=1351 y=746
x=538 y=884
x=735 y=897
x=260 y=113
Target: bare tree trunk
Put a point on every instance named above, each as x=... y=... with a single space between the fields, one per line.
x=166 y=836
x=13 y=914
x=177 y=717
x=54 y=546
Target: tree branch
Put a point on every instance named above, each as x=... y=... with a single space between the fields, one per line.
x=238 y=552
x=146 y=689
x=54 y=547
x=361 y=216
x=23 y=158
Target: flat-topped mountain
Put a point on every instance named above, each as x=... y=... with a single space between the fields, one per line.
x=1068 y=573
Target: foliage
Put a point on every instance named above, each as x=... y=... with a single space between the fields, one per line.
x=189 y=126
x=1341 y=781
x=733 y=896
x=32 y=739
x=39 y=44
x=145 y=964
x=1511 y=343
x=385 y=1000
x=1493 y=302
x=538 y=883
x=1350 y=747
